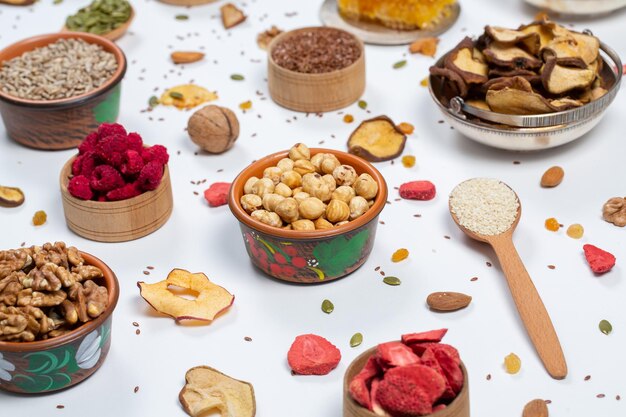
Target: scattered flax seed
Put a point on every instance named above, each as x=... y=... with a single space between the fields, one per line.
x=135 y=324
x=440 y=121
x=551 y=266
x=617 y=397
x=136 y=389
x=474 y=279
x=22 y=244
x=397 y=199
x=247 y=339
x=588 y=377
x=137 y=332
x=146 y=272
x=195 y=193
x=548 y=401
x=600 y=396
x=516 y=162
x=60 y=406
x=488 y=377
x=377 y=269
x=382 y=273
x=489 y=264
x=417 y=215
x=381 y=222
x=149 y=267
x=446 y=237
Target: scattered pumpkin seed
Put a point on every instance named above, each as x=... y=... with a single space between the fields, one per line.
x=182 y=17
x=363 y=104
x=605 y=327
x=153 y=101
x=327 y=306
x=399 y=64
x=57 y=2
x=356 y=340
x=392 y=280
x=176 y=95
x=237 y=77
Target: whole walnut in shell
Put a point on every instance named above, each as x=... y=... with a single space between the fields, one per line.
x=215 y=129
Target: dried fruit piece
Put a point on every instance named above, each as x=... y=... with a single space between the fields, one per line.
x=217 y=194
x=599 y=260
x=186 y=57
x=418 y=190
x=448 y=301
x=187 y=96
x=208 y=389
x=424 y=46
x=211 y=299
x=512 y=363
x=392 y=354
x=467 y=62
x=39 y=218
x=358 y=387
x=432 y=336
x=516 y=96
x=575 y=231
x=246 y=105
x=530 y=40
x=11 y=196
x=552 y=224
x=231 y=15
x=558 y=79
x=408 y=161
x=614 y=211
x=377 y=139
x=263 y=39
x=406 y=128
x=535 y=408
x=410 y=390
x=356 y=339
x=400 y=255
x=327 y=306
x=393 y=281
x=348 y=118
x=552 y=177
x=313 y=355
x=605 y=327
x=508 y=56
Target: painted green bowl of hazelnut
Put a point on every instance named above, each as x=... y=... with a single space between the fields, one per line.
x=299 y=227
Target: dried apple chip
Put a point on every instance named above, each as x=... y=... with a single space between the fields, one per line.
x=187 y=96
x=558 y=79
x=530 y=40
x=377 y=140
x=510 y=56
x=515 y=96
x=11 y=196
x=208 y=389
x=468 y=62
x=210 y=301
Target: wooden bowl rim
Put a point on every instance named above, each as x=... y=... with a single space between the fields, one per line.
x=41 y=345
x=367 y=413
x=33 y=42
x=340 y=71
x=114 y=34
x=236 y=191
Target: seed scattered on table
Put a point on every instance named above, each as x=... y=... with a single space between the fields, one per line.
x=392 y=281
x=356 y=340
x=600 y=396
x=135 y=324
x=588 y=377
x=488 y=377
x=137 y=332
x=60 y=406
x=247 y=339
x=136 y=389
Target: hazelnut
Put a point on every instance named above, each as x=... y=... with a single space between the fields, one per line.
x=299 y=151
x=322 y=191
x=251 y=202
x=301 y=196
x=330 y=181
x=343 y=193
x=358 y=205
x=344 y=175
x=282 y=189
x=322 y=223
x=311 y=181
x=303 y=166
x=213 y=128
x=291 y=179
x=287 y=227
x=263 y=186
x=287 y=209
x=247 y=188
x=296 y=190
x=303 y=224
x=273 y=173
x=337 y=211
x=311 y=208
x=366 y=186
x=285 y=164
x=316 y=160
x=267 y=217
x=342 y=223
x=329 y=163
x=271 y=200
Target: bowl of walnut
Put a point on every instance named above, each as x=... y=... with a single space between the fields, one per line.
x=56 y=306
x=308 y=215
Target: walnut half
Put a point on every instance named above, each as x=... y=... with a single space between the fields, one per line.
x=614 y=211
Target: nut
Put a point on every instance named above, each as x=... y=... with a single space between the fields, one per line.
x=303 y=224
x=273 y=173
x=251 y=202
x=329 y=163
x=613 y=211
x=330 y=181
x=270 y=201
x=342 y=223
x=358 y=206
x=299 y=151
x=247 y=187
x=535 y=408
x=321 y=224
x=268 y=218
x=344 y=175
x=316 y=160
x=296 y=190
x=301 y=196
x=343 y=193
x=366 y=186
x=291 y=179
x=285 y=164
x=311 y=181
x=303 y=166
x=186 y=57
x=282 y=189
x=448 y=301
x=311 y=208
x=337 y=211
x=552 y=177
x=287 y=209
x=215 y=129
x=263 y=186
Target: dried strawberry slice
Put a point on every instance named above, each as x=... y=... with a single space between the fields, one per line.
x=451 y=369
x=392 y=354
x=420 y=348
x=410 y=390
x=599 y=260
x=430 y=336
x=313 y=355
x=359 y=386
x=429 y=359
x=376 y=407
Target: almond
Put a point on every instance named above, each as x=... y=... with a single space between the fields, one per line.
x=186 y=57
x=552 y=177
x=535 y=408
x=448 y=301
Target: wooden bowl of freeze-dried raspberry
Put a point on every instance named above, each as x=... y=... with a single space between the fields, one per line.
x=415 y=376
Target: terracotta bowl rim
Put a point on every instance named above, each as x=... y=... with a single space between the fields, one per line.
x=41 y=345
x=345 y=158
x=107 y=45
x=343 y=70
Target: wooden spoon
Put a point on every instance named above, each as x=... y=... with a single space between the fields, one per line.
x=527 y=299
x=116 y=33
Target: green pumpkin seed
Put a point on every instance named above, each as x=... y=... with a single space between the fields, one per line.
x=176 y=95
x=356 y=340
x=605 y=327
x=153 y=101
x=363 y=104
x=237 y=77
x=182 y=17
x=327 y=306
x=392 y=281
x=399 y=64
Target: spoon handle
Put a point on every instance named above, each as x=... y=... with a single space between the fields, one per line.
x=530 y=307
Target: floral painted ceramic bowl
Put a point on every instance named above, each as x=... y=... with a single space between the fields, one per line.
x=308 y=256
x=61 y=362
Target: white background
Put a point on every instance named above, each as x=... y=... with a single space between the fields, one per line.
x=272 y=313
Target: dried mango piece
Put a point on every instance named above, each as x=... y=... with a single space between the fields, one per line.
x=424 y=46
x=400 y=255
x=11 y=196
x=187 y=96
x=377 y=140
x=208 y=389
x=210 y=301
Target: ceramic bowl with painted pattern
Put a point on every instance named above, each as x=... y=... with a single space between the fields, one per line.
x=308 y=257
x=61 y=362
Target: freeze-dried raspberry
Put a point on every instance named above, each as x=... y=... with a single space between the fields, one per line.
x=134 y=142
x=217 y=194
x=599 y=260
x=132 y=162
x=111 y=149
x=155 y=153
x=127 y=191
x=89 y=143
x=108 y=129
x=150 y=176
x=313 y=355
x=106 y=178
x=85 y=164
x=79 y=187
x=418 y=190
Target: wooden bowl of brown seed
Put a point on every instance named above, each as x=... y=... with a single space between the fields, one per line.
x=316 y=69
x=67 y=105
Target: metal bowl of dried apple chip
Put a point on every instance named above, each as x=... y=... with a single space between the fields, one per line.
x=526 y=132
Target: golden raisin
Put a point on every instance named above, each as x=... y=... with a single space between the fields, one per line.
x=400 y=255
x=512 y=363
x=246 y=105
x=348 y=118
x=406 y=128
x=575 y=231
x=552 y=224
x=424 y=82
x=408 y=161
x=40 y=218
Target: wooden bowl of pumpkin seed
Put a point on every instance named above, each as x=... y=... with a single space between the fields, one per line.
x=107 y=18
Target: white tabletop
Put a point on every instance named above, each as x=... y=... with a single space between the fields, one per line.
x=199 y=238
